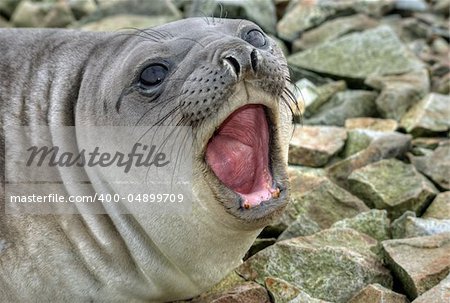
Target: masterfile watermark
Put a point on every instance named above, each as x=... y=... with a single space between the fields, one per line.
x=98 y=169
x=52 y=156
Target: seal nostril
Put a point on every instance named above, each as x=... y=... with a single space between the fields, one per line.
x=235 y=64
x=254 y=59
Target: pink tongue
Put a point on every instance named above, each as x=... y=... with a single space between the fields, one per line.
x=238 y=154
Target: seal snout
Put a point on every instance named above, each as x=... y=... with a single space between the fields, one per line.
x=242 y=61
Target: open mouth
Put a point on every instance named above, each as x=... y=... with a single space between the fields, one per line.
x=238 y=154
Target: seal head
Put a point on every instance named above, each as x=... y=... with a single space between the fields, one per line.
x=224 y=78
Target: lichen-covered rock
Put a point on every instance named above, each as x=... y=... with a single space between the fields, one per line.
x=7 y=7
x=376 y=124
x=262 y=12
x=435 y=165
x=82 y=8
x=303 y=297
x=280 y=290
x=356 y=56
x=399 y=92
x=330 y=265
x=42 y=14
x=59 y=16
x=333 y=29
x=324 y=93
x=345 y=105
x=440 y=207
x=360 y=139
x=398 y=225
x=259 y=244
x=301 y=16
x=139 y=7
x=302 y=226
x=315 y=145
x=305 y=92
x=430 y=116
x=411 y=5
x=248 y=292
x=419 y=263
x=30 y=14
x=375 y=293
x=442 y=7
x=4 y=23
x=438 y=294
x=374 y=223
x=321 y=201
x=388 y=146
x=392 y=185
x=428 y=142
x=121 y=21
x=408 y=226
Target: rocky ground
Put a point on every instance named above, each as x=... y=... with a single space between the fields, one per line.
x=369 y=219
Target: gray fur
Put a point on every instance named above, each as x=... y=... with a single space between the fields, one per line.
x=64 y=77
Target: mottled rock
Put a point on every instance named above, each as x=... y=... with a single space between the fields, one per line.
x=333 y=29
x=398 y=225
x=228 y=282
x=427 y=142
x=392 y=185
x=30 y=14
x=262 y=12
x=303 y=297
x=438 y=294
x=82 y=8
x=374 y=223
x=306 y=92
x=440 y=207
x=408 y=226
x=303 y=179
x=371 y=8
x=259 y=244
x=4 y=23
x=280 y=290
x=302 y=226
x=442 y=7
x=301 y=16
x=419 y=263
x=324 y=94
x=356 y=56
x=344 y=105
x=411 y=5
x=60 y=15
x=248 y=292
x=296 y=170
x=384 y=125
x=138 y=7
x=430 y=116
x=375 y=293
x=360 y=139
x=436 y=165
x=42 y=14
x=330 y=265
x=315 y=145
x=320 y=201
x=441 y=85
x=440 y=46
x=117 y=22
x=390 y=145
x=399 y=92
x=7 y=7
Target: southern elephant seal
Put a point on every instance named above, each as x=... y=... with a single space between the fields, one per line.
x=224 y=78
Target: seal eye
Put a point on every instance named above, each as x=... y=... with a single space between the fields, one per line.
x=255 y=38
x=153 y=75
